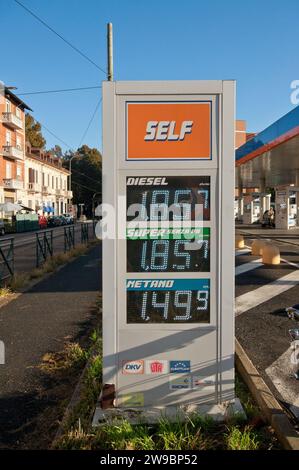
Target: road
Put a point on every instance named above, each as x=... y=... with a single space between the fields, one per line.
x=25 y=245
x=262 y=326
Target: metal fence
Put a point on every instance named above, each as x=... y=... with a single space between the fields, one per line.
x=7 y=261
x=69 y=238
x=23 y=255
x=84 y=232
x=44 y=246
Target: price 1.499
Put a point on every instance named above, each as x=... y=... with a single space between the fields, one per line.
x=173 y=306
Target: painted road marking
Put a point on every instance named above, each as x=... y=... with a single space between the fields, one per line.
x=244 y=268
x=263 y=294
x=278 y=372
x=242 y=251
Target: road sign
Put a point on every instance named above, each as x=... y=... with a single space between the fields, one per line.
x=168 y=191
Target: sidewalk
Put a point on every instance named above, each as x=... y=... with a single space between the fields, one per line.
x=39 y=321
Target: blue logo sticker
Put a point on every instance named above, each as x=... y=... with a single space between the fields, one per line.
x=179 y=367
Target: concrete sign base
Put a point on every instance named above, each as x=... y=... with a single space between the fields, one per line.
x=218 y=412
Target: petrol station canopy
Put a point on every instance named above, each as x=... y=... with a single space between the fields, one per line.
x=271 y=158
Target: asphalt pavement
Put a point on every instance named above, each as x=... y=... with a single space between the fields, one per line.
x=262 y=326
x=40 y=321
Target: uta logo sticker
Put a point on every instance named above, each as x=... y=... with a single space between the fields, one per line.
x=156 y=367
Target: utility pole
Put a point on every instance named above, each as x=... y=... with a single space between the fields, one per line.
x=110 y=52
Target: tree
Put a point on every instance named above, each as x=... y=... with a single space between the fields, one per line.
x=86 y=175
x=57 y=151
x=33 y=132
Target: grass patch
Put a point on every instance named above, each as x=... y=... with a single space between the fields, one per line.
x=5 y=291
x=72 y=356
x=242 y=439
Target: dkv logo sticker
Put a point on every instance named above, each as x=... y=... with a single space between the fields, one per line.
x=133 y=367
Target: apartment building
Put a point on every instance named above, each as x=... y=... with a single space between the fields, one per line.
x=12 y=146
x=28 y=176
x=46 y=182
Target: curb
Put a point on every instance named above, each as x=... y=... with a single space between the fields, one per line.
x=270 y=407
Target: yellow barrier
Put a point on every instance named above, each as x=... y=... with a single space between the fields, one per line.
x=239 y=241
x=257 y=247
x=271 y=254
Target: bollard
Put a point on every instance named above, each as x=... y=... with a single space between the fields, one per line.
x=271 y=254
x=257 y=247
x=239 y=241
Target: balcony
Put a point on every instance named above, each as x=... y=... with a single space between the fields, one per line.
x=12 y=121
x=45 y=190
x=69 y=194
x=13 y=152
x=10 y=183
x=33 y=188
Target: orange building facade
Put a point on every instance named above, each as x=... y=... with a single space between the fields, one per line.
x=31 y=177
x=12 y=146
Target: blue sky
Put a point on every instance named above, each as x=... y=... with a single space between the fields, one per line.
x=254 y=42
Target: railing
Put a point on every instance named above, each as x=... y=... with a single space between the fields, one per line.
x=6 y=259
x=12 y=183
x=69 y=238
x=12 y=120
x=33 y=188
x=13 y=152
x=84 y=233
x=44 y=246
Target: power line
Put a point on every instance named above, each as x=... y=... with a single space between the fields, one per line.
x=59 y=91
x=85 y=187
x=59 y=35
x=91 y=119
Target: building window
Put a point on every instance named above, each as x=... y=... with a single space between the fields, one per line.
x=8 y=170
x=18 y=113
x=18 y=142
x=52 y=182
x=31 y=175
x=8 y=106
x=19 y=172
x=8 y=138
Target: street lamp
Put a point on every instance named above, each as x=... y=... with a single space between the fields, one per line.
x=70 y=170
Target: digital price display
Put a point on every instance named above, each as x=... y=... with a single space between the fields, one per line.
x=168 y=250
x=168 y=300
x=173 y=198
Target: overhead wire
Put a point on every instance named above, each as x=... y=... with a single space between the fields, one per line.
x=59 y=35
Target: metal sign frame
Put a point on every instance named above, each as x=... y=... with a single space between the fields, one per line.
x=219 y=334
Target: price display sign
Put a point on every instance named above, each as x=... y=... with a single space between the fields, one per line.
x=168 y=182
x=168 y=300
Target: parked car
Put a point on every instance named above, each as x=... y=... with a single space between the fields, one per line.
x=69 y=218
x=63 y=219
x=54 y=221
x=42 y=222
x=2 y=227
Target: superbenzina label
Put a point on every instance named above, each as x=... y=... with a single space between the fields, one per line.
x=168 y=273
